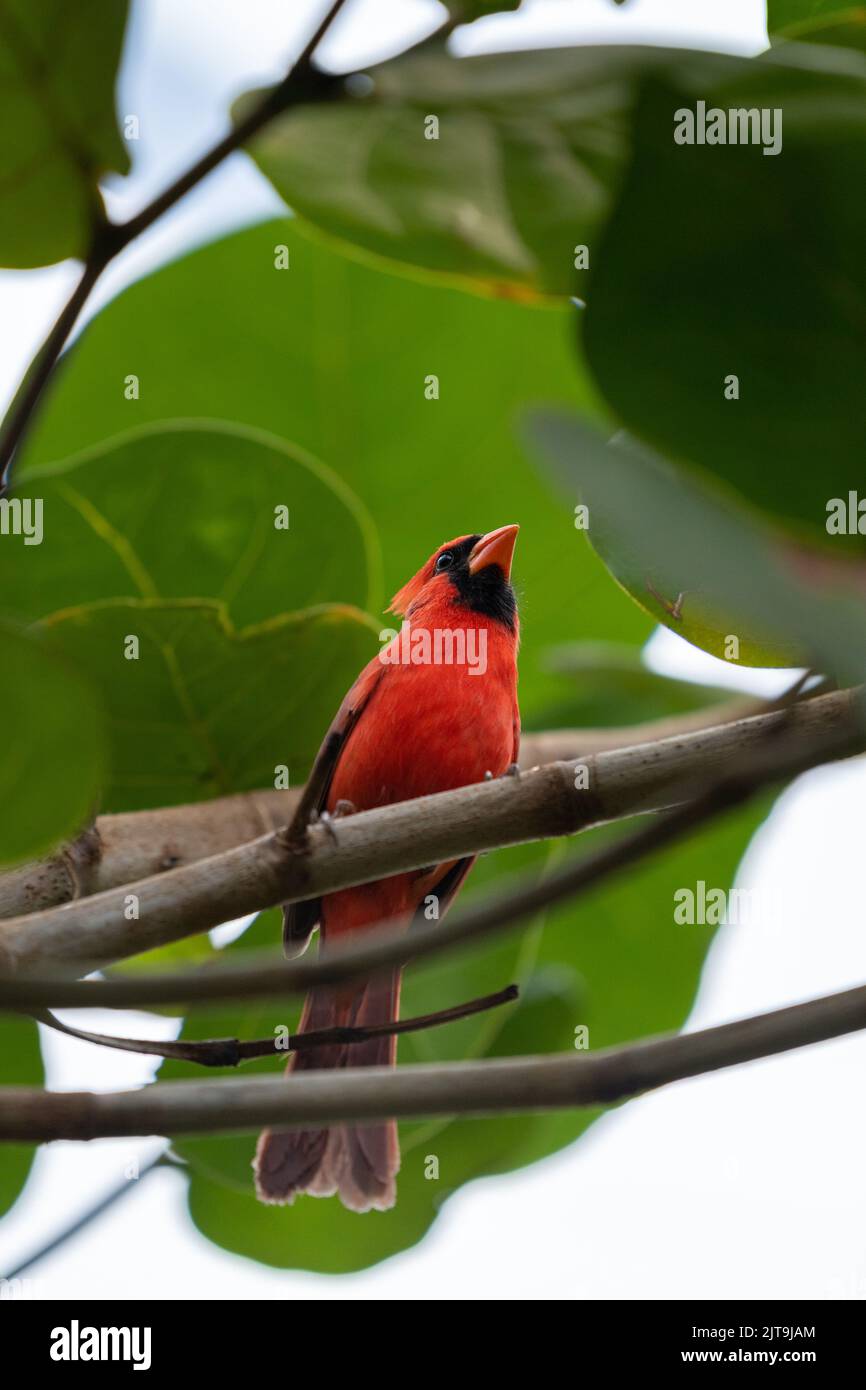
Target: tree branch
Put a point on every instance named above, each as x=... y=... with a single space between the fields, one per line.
x=303 y=83
x=513 y=1085
x=410 y=835
x=119 y=849
x=230 y=1052
x=756 y=766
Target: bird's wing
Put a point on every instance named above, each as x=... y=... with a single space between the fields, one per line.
x=300 y=919
x=445 y=888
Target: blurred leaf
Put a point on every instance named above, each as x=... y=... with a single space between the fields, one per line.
x=783 y=13
x=58 y=62
x=190 y=950
x=189 y=508
x=609 y=686
x=701 y=563
x=320 y=366
x=515 y=176
x=720 y=262
x=20 y=1065
x=847 y=29
x=204 y=710
x=54 y=748
x=616 y=963
x=465 y=11
x=817 y=21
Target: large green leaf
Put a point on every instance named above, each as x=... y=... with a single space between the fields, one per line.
x=54 y=747
x=192 y=509
x=609 y=685
x=842 y=26
x=20 y=1065
x=702 y=563
x=515 y=175
x=720 y=262
x=202 y=709
x=813 y=20
x=617 y=964
x=782 y=13
x=58 y=134
x=334 y=356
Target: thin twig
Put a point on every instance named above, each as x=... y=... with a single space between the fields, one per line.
x=42 y=367
x=92 y=1213
x=493 y=1086
x=303 y=83
x=230 y=1052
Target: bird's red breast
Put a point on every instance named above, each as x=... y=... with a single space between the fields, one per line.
x=432 y=725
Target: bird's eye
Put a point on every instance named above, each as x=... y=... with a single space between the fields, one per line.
x=445 y=560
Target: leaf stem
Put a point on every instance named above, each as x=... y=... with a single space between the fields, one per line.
x=230 y=1052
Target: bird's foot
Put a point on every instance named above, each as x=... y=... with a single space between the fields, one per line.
x=327 y=818
x=512 y=770
x=326 y=821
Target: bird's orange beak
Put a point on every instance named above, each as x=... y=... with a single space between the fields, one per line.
x=496 y=548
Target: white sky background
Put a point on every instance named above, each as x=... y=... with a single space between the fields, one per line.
x=748 y=1184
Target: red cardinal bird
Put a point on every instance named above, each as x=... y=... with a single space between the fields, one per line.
x=416 y=721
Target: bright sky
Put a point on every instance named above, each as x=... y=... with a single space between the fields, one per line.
x=747 y=1184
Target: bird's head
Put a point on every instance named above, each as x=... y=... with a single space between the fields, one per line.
x=471 y=572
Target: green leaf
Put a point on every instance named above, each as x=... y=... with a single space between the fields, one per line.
x=517 y=174
x=190 y=508
x=609 y=685
x=20 y=1065
x=204 y=710
x=465 y=11
x=720 y=262
x=845 y=27
x=783 y=13
x=813 y=20
x=54 y=748
x=701 y=563
x=319 y=365
x=58 y=63
x=617 y=964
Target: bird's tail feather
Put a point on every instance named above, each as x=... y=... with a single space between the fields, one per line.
x=360 y=1162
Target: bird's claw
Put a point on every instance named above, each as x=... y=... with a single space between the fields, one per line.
x=513 y=770
x=326 y=818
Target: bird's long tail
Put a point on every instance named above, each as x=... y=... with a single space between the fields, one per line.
x=358 y=1162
